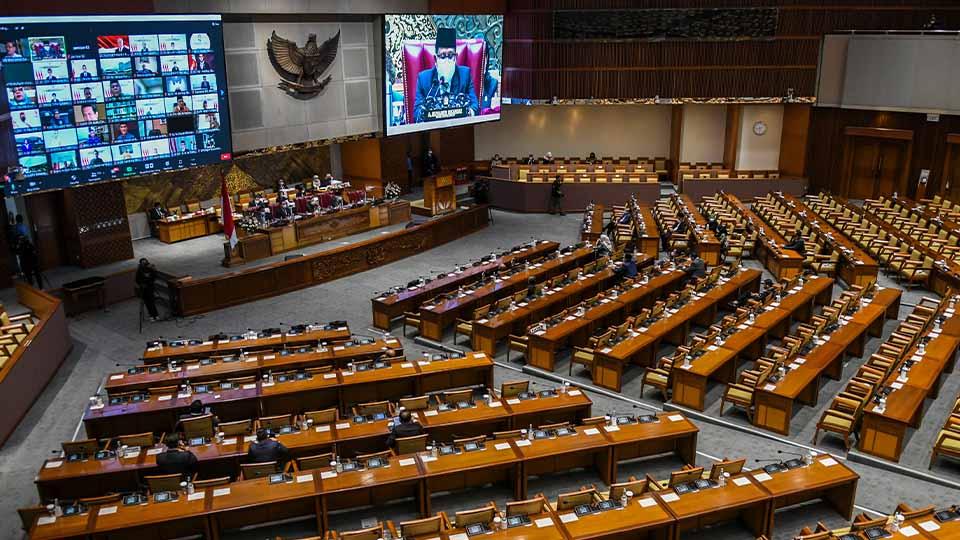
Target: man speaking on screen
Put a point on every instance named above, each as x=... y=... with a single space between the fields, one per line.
x=445 y=90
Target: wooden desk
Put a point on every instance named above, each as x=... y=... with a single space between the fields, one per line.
x=719 y=362
x=592 y=233
x=883 y=434
x=650 y=239
x=195 y=225
x=387 y=308
x=775 y=402
x=215 y=347
x=436 y=318
x=750 y=502
x=543 y=346
x=340 y=388
x=488 y=332
x=708 y=247
x=610 y=362
x=826 y=478
x=782 y=263
x=259 y=363
x=645 y=518
x=856 y=266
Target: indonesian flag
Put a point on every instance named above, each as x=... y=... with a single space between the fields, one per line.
x=229 y=229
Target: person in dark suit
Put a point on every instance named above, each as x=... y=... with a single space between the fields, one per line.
x=267 y=449
x=405 y=428
x=197 y=410
x=176 y=459
x=490 y=89
x=431 y=164
x=158 y=212
x=445 y=81
x=697 y=268
x=796 y=244
x=146 y=281
x=629 y=268
x=556 y=197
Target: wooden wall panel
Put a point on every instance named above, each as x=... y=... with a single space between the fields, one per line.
x=361 y=158
x=95 y=229
x=793 y=139
x=731 y=139
x=826 y=141
x=453 y=146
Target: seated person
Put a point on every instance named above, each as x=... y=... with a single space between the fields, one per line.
x=531 y=160
x=697 y=268
x=267 y=449
x=531 y=288
x=629 y=268
x=548 y=158
x=196 y=410
x=406 y=427
x=176 y=459
x=158 y=212
x=592 y=158
x=796 y=244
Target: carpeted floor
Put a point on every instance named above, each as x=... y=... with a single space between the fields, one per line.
x=104 y=339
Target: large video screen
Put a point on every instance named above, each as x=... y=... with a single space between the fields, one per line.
x=441 y=70
x=104 y=97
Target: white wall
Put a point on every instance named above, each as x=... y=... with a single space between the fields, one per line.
x=755 y=152
x=263 y=115
x=701 y=139
x=576 y=130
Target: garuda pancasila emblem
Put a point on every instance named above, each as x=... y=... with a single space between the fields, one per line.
x=301 y=67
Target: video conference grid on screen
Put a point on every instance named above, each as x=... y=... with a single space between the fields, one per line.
x=98 y=98
x=441 y=70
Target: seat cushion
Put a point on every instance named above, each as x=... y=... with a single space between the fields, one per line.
x=949 y=443
x=836 y=422
x=653 y=377
x=738 y=394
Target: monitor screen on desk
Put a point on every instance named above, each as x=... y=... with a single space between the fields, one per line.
x=441 y=70
x=94 y=98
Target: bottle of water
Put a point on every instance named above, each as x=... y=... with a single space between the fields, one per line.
x=530 y=433
x=625 y=498
x=497 y=523
x=190 y=488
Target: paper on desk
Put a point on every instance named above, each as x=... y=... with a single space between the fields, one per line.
x=741 y=481
x=712 y=347
x=611 y=428
x=670 y=497
x=828 y=462
x=568 y=518
x=229 y=441
x=762 y=477
x=47 y=520
x=329 y=375
x=250 y=438
x=328 y=474
x=196 y=496
x=646 y=502
x=427 y=459
x=95 y=407
x=423 y=363
x=929 y=525
x=605 y=350
x=406 y=365
x=742 y=327
x=431 y=412
x=909 y=531
x=220 y=492
x=800 y=361
x=513 y=401
x=406 y=462
x=322 y=429
x=53 y=464
x=574 y=393
x=346 y=373
x=193 y=367
x=116 y=377
x=269 y=357
x=208 y=342
x=591 y=431
x=501 y=446
x=339 y=348
x=267 y=384
x=769 y=387
x=523 y=442
x=495 y=404
x=544 y=522
x=165 y=398
x=343 y=425
x=249 y=386
x=301 y=478
x=459 y=536
x=675 y=417
x=107 y=510
x=794 y=365
x=154 y=451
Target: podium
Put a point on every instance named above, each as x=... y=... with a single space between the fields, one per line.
x=439 y=194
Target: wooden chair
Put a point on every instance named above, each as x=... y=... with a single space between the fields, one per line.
x=685 y=475
x=512 y=389
x=569 y=501
x=326 y=416
x=837 y=420
x=249 y=471
x=732 y=466
x=519 y=344
x=455 y=396
x=384 y=454
x=424 y=527
x=477 y=515
x=100 y=500
x=593 y=421
x=659 y=378
x=632 y=485
x=373 y=407
x=410 y=445
x=318 y=461
x=910 y=513
x=163 y=482
x=29 y=516
x=948 y=441
x=86 y=447
x=467 y=440
x=157 y=391
x=463 y=328
x=199 y=426
x=581 y=356
x=418 y=403
x=235 y=429
x=528 y=507
x=373 y=533
x=411 y=319
x=741 y=395
x=275 y=422
x=512 y=434
x=139 y=439
x=211 y=482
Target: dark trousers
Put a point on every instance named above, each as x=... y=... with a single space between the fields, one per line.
x=33 y=275
x=150 y=300
x=555 y=205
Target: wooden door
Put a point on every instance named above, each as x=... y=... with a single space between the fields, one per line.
x=863 y=175
x=890 y=167
x=45 y=211
x=876 y=161
x=950 y=179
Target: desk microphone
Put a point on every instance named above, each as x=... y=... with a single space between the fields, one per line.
x=770 y=460
x=799 y=455
x=129 y=365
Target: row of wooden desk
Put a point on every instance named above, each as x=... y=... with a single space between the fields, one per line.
x=341 y=388
x=630 y=297
x=926 y=527
x=322 y=491
x=90 y=477
x=856 y=266
x=782 y=263
x=211 y=347
x=436 y=318
x=640 y=348
x=195 y=225
x=883 y=433
x=774 y=403
x=706 y=243
x=387 y=308
x=719 y=361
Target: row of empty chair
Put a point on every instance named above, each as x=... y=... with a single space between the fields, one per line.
x=13 y=332
x=905 y=522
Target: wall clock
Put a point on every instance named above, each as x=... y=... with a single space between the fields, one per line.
x=759 y=127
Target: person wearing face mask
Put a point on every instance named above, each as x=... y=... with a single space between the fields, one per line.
x=445 y=81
